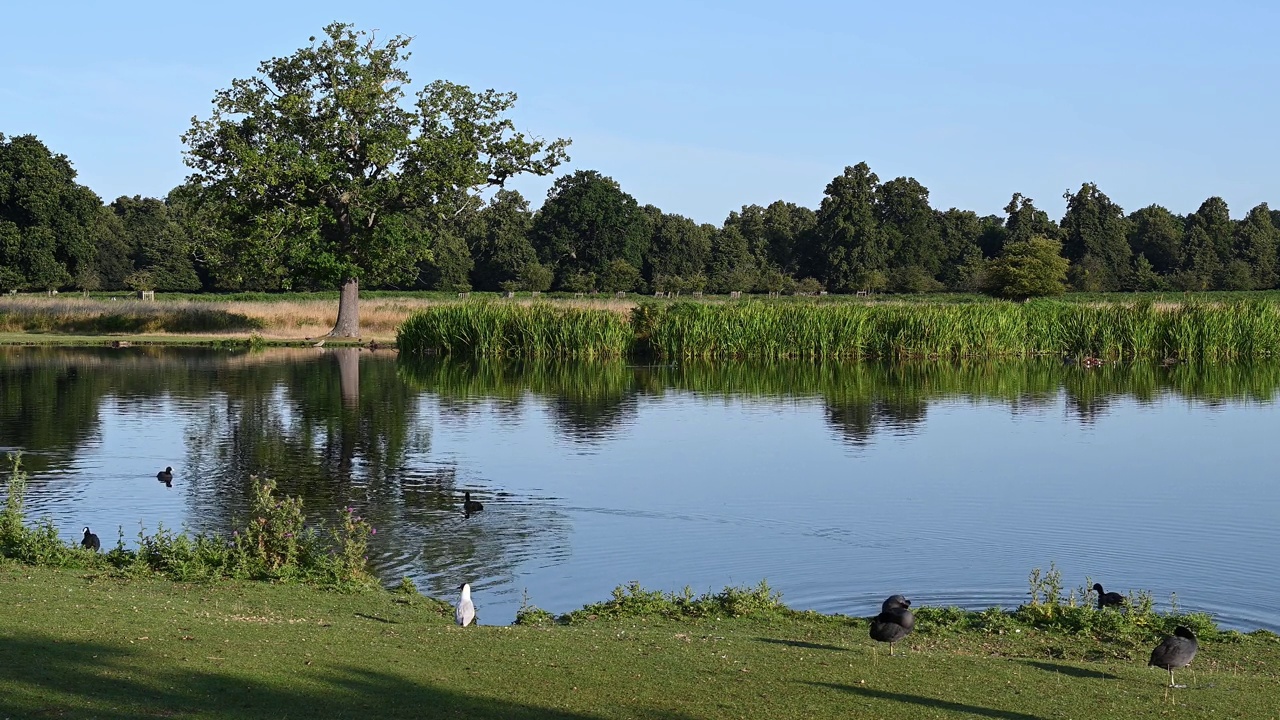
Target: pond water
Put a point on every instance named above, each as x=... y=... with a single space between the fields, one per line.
x=838 y=483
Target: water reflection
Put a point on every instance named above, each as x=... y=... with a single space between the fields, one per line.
x=594 y=474
x=589 y=402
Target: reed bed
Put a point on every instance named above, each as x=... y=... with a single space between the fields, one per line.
x=1199 y=331
x=1217 y=331
x=493 y=329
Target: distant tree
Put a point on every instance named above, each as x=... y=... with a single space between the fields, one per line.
x=912 y=279
x=317 y=154
x=732 y=265
x=750 y=222
x=535 y=276
x=450 y=265
x=992 y=236
x=49 y=224
x=1095 y=238
x=1145 y=277
x=1156 y=234
x=1028 y=268
x=586 y=223
x=679 y=246
x=500 y=244
x=1256 y=240
x=911 y=231
x=158 y=245
x=1207 y=245
x=1025 y=221
x=959 y=232
x=788 y=230
x=854 y=253
x=620 y=276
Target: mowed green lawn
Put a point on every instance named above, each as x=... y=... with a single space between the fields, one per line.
x=84 y=645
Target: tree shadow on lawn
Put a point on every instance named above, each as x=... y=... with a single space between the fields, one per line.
x=44 y=677
x=1071 y=671
x=803 y=644
x=928 y=702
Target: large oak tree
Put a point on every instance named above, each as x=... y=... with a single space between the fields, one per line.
x=320 y=156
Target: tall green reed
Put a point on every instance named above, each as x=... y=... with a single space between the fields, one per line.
x=492 y=329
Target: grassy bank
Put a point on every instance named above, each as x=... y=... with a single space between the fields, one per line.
x=267 y=625
x=210 y=319
x=898 y=331
x=76 y=644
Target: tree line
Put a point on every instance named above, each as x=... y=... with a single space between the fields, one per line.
x=591 y=235
x=320 y=171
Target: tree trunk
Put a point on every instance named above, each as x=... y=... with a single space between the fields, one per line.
x=348 y=324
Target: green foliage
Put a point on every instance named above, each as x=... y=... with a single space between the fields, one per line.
x=450 y=265
x=535 y=276
x=274 y=533
x=275 y=544
x=11 y=528
x=620 y=275
x=852 y=247
x=504 y=329
x=588 y=222
x=679 y=246
x=532 y=615
x=1156 y=233
x=49 y=224
x=1030 y=268
x=328 y=172
x=500 y=243
x=912 y=233
x=632 y=601
x=1096 y=239
x=351 y=543
x=161 y=250
x=406 y=586
x=1025 y=221
x=776 y=330
x=1255 y=247
x=732 y=266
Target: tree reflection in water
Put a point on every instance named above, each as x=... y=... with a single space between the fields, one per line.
x=343 y=427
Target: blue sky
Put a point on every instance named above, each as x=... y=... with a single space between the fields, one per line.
x=702 y=107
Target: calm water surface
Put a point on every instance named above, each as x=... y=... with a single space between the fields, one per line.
x=840 y=484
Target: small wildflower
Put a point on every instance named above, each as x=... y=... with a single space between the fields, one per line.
x=373 y=531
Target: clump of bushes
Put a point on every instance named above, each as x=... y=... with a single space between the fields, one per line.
x=632 y=600
x=1072 y=613
x=276 y=544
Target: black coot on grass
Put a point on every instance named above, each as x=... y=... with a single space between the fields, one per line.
x=894 y=622
x=90 y=541
x=1175 y=651
x=1107 y=599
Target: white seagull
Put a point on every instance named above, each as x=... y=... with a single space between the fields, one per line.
x=466 y=611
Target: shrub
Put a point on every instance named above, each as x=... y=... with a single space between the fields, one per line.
x=274 y=545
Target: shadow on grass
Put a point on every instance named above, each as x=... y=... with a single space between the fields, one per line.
x=927 y=702
x=375 y=618
x=803 y=644
x=44 y=677
x=1069 y=670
